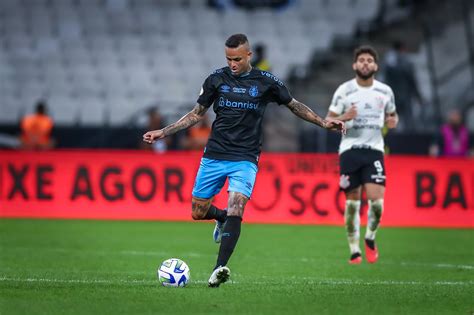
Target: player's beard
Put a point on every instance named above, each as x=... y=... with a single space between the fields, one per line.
x=366 y=76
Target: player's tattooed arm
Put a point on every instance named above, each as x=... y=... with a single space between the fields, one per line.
x=304 y=112
x=184 y=122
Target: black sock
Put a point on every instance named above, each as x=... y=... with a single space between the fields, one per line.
x=355 y=255
x=230 y=236
x=216 y=213
x=370 y=243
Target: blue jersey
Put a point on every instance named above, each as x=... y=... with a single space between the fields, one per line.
x=239 y=103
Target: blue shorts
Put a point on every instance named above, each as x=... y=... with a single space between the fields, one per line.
x=212 y=174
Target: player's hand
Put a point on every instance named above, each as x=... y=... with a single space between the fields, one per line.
x=391 y=122
x=152 y=136
x=334 y=124
x=351 y=113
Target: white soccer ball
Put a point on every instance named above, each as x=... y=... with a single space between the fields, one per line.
x=174 y=272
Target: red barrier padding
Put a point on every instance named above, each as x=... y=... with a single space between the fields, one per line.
x=290 y=188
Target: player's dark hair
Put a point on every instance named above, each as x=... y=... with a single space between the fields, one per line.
x=366 y=50
x=236 y=40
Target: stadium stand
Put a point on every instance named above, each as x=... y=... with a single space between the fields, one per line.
x=100 y=61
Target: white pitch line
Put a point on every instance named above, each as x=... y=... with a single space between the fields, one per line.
x=198 y=255
x=439 y=265
x=85 y=281
x=308 y=280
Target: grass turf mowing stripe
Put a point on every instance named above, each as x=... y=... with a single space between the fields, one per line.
x=194 y=254
x=305 y=279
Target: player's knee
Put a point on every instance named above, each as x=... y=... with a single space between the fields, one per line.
x=376 y=207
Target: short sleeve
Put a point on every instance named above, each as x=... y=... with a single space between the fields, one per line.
x=208 y=92
x=391 y=108
x=280 y=93
x=337 y=103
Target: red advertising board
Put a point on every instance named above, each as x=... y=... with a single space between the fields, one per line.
x=290 y=188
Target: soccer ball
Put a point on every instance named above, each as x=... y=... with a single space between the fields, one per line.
x=173 y=272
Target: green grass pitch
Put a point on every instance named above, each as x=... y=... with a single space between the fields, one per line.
x=109 y=267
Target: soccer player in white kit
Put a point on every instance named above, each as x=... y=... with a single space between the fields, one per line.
x=365 y=104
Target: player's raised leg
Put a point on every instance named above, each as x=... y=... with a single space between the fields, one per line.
x=219 y=229
x=203 y=209
x=375 y=195
x=209 y=181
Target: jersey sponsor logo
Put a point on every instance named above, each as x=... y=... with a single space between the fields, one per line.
x=225 y=88
x=271 y=76
x=374 y=127
x=367 y=106
x=239 y=90
x=379 y=178
x=253 y=91
x=223 y=102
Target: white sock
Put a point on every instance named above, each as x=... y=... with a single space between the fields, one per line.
x=373 y=218
x=352 y=221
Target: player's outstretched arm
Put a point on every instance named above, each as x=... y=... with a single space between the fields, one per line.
x=184 y=122
x=304 y=112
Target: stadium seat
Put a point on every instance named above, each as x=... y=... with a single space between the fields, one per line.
x=132 y=51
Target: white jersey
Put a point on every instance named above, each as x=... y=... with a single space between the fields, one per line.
x=365 y=130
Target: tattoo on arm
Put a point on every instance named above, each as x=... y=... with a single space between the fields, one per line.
x=304 y=112
x=187 y=120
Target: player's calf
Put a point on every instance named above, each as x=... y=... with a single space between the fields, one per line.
x=373 y=217
x=352 y=222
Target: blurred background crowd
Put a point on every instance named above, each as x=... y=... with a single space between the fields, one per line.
x=99 y=73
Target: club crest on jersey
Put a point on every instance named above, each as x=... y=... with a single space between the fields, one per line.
x=344 y=181
x=253 y=91
x=380 y=103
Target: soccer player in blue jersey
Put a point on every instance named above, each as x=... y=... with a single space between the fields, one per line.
x=239 y=95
